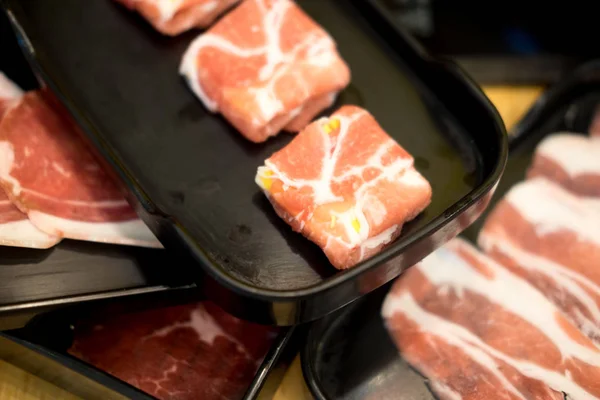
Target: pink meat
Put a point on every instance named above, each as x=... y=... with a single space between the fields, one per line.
x=551 y=238
x=15 y=228
x=478 y=331
x=49 y=174
x=172 y=17
x=193 y=351
x=571 y=160
x=346 y=185
x=266 y=66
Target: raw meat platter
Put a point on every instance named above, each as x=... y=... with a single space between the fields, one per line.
x=126 y=348
x=351 y=355
x=191 y=175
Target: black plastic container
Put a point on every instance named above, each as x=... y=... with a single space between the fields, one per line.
x=51 y=335
x=349 y=354
x=191 y=176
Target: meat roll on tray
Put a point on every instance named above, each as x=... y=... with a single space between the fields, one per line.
x=571 y=160
x=194 y=351
x=551 y=238
x=480 y=332
x=346 y=185
x=172 y=17
x=265 y=66
x=49 y=174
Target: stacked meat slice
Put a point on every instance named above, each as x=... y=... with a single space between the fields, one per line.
x=523 y=321
x=58 y=188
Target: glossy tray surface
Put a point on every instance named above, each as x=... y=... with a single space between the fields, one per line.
x=192 y=176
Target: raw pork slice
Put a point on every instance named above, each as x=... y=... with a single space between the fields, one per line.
x=571 y=160
x=551 y=238
x=9 y=94
x=15 y=228
x=172 y=17
x=265 y=66
x=48 y=173
x=194 y=351
x=346 y=185
x=480 y=332
x=17 y=231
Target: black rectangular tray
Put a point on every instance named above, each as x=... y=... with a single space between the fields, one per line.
x=191 y=176
x=50 y=335
x=349 y=355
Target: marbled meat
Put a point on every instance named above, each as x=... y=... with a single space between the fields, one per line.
x=480 y=332
x=571 y=160
x=551 y=238
x=172 y=17
x=15 y=228
x=194 y=351
x=266 y=66
x=346 y=185
x=49 y=174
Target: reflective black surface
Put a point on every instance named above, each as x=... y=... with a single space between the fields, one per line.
x=191 y=175
x=349 y=355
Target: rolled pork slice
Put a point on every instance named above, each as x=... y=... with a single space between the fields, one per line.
x=478 y=331
x=193 y=351
x=265 y=66
x=346 y=185
x=49 y=174
x=571 y=160
x=551 y=238
x=172 y=17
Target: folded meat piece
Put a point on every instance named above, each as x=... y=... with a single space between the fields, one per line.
x=15 y=228
x=551 y=238
x=49 y=174
x=571 y=160
x=478 y=331
x=172 y=17
x=194 y=351
x=346 y=185
x=265 y=66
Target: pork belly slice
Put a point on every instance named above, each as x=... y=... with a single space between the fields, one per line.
x=172 y=17
x=551 y=238
x=478 y=331
x=15 y=228
x=193 y=351
x=571 y=160
x=266 y=66
x=345 y=185
x=49 y=174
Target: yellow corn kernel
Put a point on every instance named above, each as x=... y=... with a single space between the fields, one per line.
x=333 y=221
x=356 y=224
x=331 y=125
x=265 y=180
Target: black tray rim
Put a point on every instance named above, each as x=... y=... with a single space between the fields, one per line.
x=547 y=103
x=237 y=286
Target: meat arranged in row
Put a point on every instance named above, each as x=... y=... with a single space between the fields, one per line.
x=266 y=66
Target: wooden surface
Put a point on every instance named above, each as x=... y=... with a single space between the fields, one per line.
x=17 y=384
